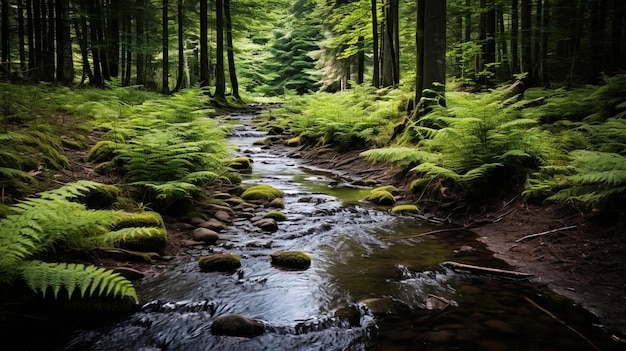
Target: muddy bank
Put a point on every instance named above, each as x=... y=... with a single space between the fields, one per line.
x=576 y=254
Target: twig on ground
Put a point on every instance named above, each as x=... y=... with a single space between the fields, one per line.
x=545 y=233
x=562 y=322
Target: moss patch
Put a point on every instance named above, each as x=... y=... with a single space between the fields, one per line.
x=390 y=188
x=103 y=151
x=219 y=263
x=276 y=215
x=291 y=259
x=241 y=164
x=261 y=192
x=405 y=208
x=381 y=197
x=293 y=141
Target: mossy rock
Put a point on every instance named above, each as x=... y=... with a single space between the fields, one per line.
x=381 y=197
x=105 y=168
x=293 y=141
x=261 y=192
x=219 y=263
x=276 y=215
x=102 y=197
x=233 y=178
x=241 y=164
x=237 y=325
x=365 y=182
x=390 y=188
x=144 y=239
x=140 y=219
x=291 y=259
x=104 y=150
x=277 y=203
x=405 y=208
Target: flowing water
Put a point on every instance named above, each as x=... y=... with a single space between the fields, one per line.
x=366 y=289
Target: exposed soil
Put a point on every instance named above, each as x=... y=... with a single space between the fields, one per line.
x=579 y=255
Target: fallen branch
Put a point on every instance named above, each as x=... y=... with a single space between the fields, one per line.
x=545 y=233
x=434 y=232
x=486 y=270
x=564 y=324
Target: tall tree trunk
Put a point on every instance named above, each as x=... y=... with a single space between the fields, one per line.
x=139 y=40
x=376 y=59
x=37 y=46
x=220 y=80
x=468 y=21
x=419 y=47
x=65 y=61
x=617 y=37
x=514 y=36
x=526 y=39
x=360 y=67
x=204 y=44
x=5 y=65
x=537 y=35
x=504 y=50
x=32 y=49
x=390 y=66
x=487 y=39
x=180 y=79
x=47 y=65
x=81 y=35
x=231 y=54
x=165 y=48
x=127 y=52
x=545 y=44
x=21 y=34
x=435 y=45
x=112 y=35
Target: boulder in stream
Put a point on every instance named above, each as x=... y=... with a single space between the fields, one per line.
x=291 y=259
x=205 y=235
x=219 y=263
x=237 y=325
x=266 y=224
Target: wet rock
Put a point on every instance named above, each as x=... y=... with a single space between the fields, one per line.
x=464 y=251
x=379 y=306
x=350 y=314
x=277 y=203
x=180 y=226
x=205 y=235
x=237 y=325
x=276 y=215
x=197 y=220
x=261 y=192
x=291 y=259
x=266 y=224
x=381 y=197
x=212 y=224
x=223 y=216
x=219 y=263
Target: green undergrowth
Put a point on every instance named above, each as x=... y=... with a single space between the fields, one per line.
x=352 y=119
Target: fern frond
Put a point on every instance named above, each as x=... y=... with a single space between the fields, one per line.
x=430 y=170
x=41 y=276
x=133 y=238
x=398 y=156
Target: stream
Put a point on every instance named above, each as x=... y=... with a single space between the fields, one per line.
x=395 y=292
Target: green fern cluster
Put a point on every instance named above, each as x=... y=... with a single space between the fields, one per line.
x=57 y=219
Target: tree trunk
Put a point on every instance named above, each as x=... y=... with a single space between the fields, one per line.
x=220 y=79
x=165 y=47
x=204 y=43
x=80 y=27
x=514 y=36
x=127 y=52
x=181 y=49
x=526 y=39
x=5 y=65
x=65 y=61
x=47 y=25
x=360 y=70
x=112 y=36
x=390 y=62
x=376 y=59
x=435 y=45
x=37 y=40
x=419 y=54
x=617 y=37
x=21 y=35
x=139 y=40
x=231 y=54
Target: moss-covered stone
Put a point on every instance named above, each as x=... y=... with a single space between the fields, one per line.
x=219 y=263
x=293 y=141
x=261 y=192
x=103 y=151
x=390 y=188
x=233 y=178
x=381 y=197
x=102 y=197
x=291 y=259
x=241 y=164
x=365 y=182
x=140 y=219
x=405 y=208
x=276 y=215
x=105 y=168
x=277 y=203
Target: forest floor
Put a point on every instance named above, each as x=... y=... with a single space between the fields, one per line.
x=579 y=255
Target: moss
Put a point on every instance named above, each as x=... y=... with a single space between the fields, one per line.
x=104 y=150
x=277 y=203
x=140 y=219
x=381 y=197
x=103 y=196
x=105 y=168
x=291 y=259
x=241 y=164
x=366 y=182
x=261 y=192
x=405 y=208
x=293 y=141
x=73 y=144
x=390 y=188
x=233 y=178
x=219 y=263
x=276 y=215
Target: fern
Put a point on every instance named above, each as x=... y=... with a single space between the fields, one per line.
x=133 y=238
x=400 y=157
x=89 y=280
